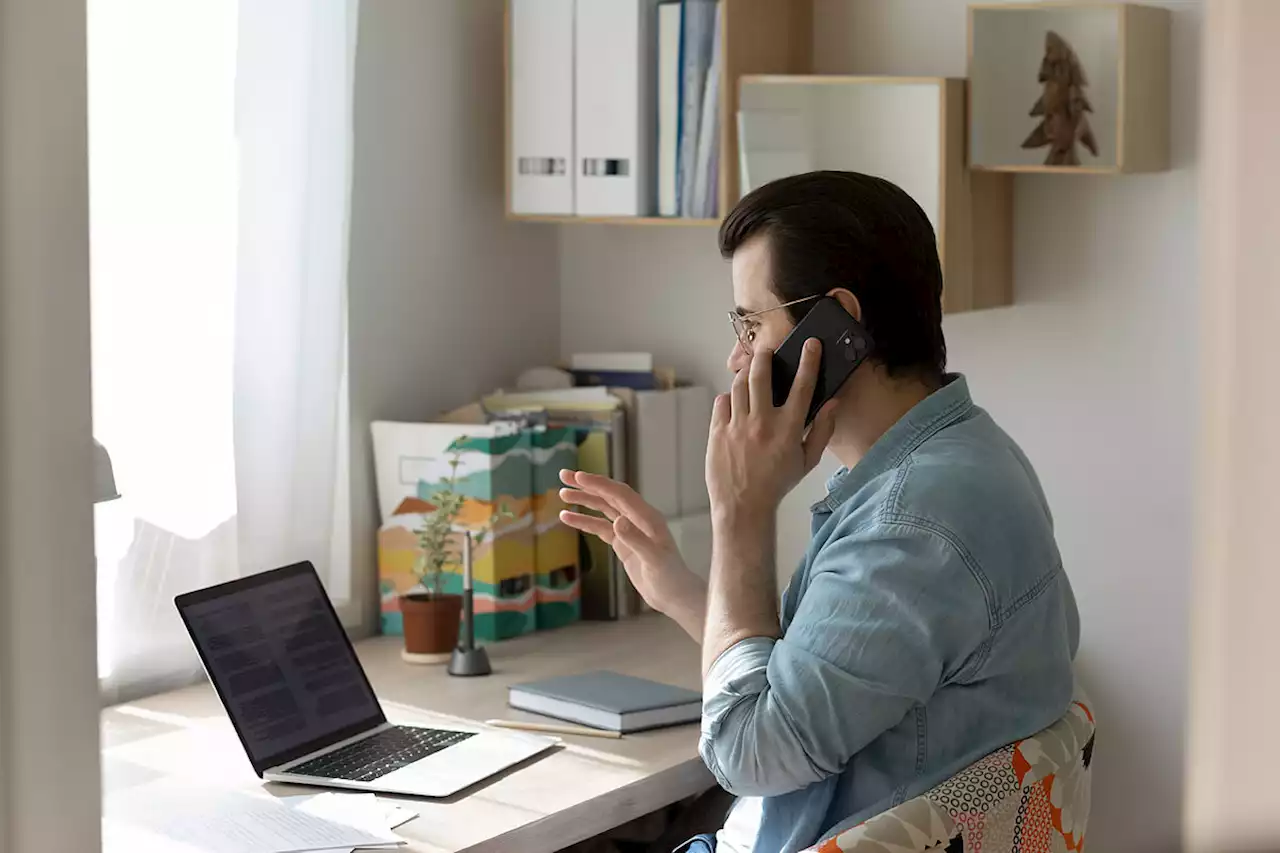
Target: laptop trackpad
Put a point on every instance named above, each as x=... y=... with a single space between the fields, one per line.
x=464 y=764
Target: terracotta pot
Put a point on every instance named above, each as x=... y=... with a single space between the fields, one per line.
x=431 y=623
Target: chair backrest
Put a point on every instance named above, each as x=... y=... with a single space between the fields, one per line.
x=1032 y=795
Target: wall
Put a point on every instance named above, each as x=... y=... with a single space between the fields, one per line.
x=1092 y=371
x=1233 y=802
x=447 y=300
x=49 y=780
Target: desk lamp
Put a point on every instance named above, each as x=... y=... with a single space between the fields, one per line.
x=468 y=660
x=104 y=478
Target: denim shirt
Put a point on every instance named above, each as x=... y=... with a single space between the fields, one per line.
x=930 y=623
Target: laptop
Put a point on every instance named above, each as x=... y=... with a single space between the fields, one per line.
x=301 y=703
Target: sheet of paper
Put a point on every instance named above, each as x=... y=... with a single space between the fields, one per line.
x=238 y=823
x=391 y=814
x=362 y=811
x=121 y=837
x=396 y=815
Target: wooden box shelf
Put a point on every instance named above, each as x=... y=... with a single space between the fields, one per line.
x=1122 y=50
x=760 y=37
x=908 y=130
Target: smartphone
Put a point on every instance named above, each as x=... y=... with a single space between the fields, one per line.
x=845 y=345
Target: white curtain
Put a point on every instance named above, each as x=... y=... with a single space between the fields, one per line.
x=220 y=148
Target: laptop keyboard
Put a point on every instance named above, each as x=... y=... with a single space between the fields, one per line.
x=374 y=757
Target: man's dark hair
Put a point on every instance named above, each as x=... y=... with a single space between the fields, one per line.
x=843 y=229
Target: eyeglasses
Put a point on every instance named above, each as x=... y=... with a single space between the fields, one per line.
x=744 y=325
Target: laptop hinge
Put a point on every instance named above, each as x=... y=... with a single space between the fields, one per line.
x=284 y=768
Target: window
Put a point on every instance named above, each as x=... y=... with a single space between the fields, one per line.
x=218 y=206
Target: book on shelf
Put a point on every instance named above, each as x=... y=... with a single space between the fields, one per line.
x=658 y=379
x=632 y=370
x=611 y=361
x=707 y=153
x=636 y=380
x=669 y=29
x=688 y=82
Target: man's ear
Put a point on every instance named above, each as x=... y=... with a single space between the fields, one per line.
x=848 y=302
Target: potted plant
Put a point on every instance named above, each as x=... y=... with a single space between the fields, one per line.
x=432 y=617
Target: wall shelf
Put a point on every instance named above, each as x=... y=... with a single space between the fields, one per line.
x=1122 y=50
x=760 y=37
x=908 y=130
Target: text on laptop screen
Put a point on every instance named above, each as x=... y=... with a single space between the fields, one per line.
x=284 y=668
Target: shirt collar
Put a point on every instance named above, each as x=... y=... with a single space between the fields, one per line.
x=940 y=409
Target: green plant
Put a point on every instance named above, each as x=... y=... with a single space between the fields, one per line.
x=435 y=542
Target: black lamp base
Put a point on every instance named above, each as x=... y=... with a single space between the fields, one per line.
x=469 y=662
x=468 y=658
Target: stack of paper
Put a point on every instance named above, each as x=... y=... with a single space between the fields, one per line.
x=216 y=822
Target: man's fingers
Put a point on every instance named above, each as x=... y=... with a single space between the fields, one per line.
x=820 y=432
x=801 y=395
x=635 y=539
x=592 y=524
x=576 y=497
x=623 y=498
x=760 y=381
x=740 y=395
x=721 y=411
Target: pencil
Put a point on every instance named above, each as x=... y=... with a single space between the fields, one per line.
x=554 y=729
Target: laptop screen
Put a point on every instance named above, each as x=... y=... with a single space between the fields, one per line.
x=281 y=663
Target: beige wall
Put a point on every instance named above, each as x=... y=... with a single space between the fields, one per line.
x=1092 y=371
x=447 y=300
x=48 y=667
x=1233 y=800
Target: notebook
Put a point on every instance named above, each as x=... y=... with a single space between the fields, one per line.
x=607 y=700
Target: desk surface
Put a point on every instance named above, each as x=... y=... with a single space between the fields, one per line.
x=575 y=792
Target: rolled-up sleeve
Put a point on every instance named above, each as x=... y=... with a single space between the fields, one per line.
x=888 y=615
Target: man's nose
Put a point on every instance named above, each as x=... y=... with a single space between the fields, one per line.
x=739 y=358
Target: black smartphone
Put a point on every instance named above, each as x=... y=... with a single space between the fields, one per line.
x=845 y=345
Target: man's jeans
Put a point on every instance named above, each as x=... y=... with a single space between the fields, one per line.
x=698 y=844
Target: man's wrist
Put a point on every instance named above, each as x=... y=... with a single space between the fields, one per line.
x=678 y=589
x=685 y=602
x=737 y=517
x=743 y=547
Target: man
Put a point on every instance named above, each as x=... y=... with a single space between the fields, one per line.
x=930 y=621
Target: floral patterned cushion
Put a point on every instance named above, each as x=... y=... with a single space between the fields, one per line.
x=1029 y=797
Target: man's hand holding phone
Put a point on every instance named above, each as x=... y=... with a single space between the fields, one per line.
x=757 y=452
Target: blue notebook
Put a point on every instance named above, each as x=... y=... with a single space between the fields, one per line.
x=608 y=700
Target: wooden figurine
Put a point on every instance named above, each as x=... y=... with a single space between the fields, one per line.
x=1063 y=106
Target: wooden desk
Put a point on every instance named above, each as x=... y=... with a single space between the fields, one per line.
x=577 y=791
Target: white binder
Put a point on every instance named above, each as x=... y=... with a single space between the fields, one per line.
x=692 y=535
x=656 y=446
x=542 y=106
x=615 y=139
x=693 y=424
